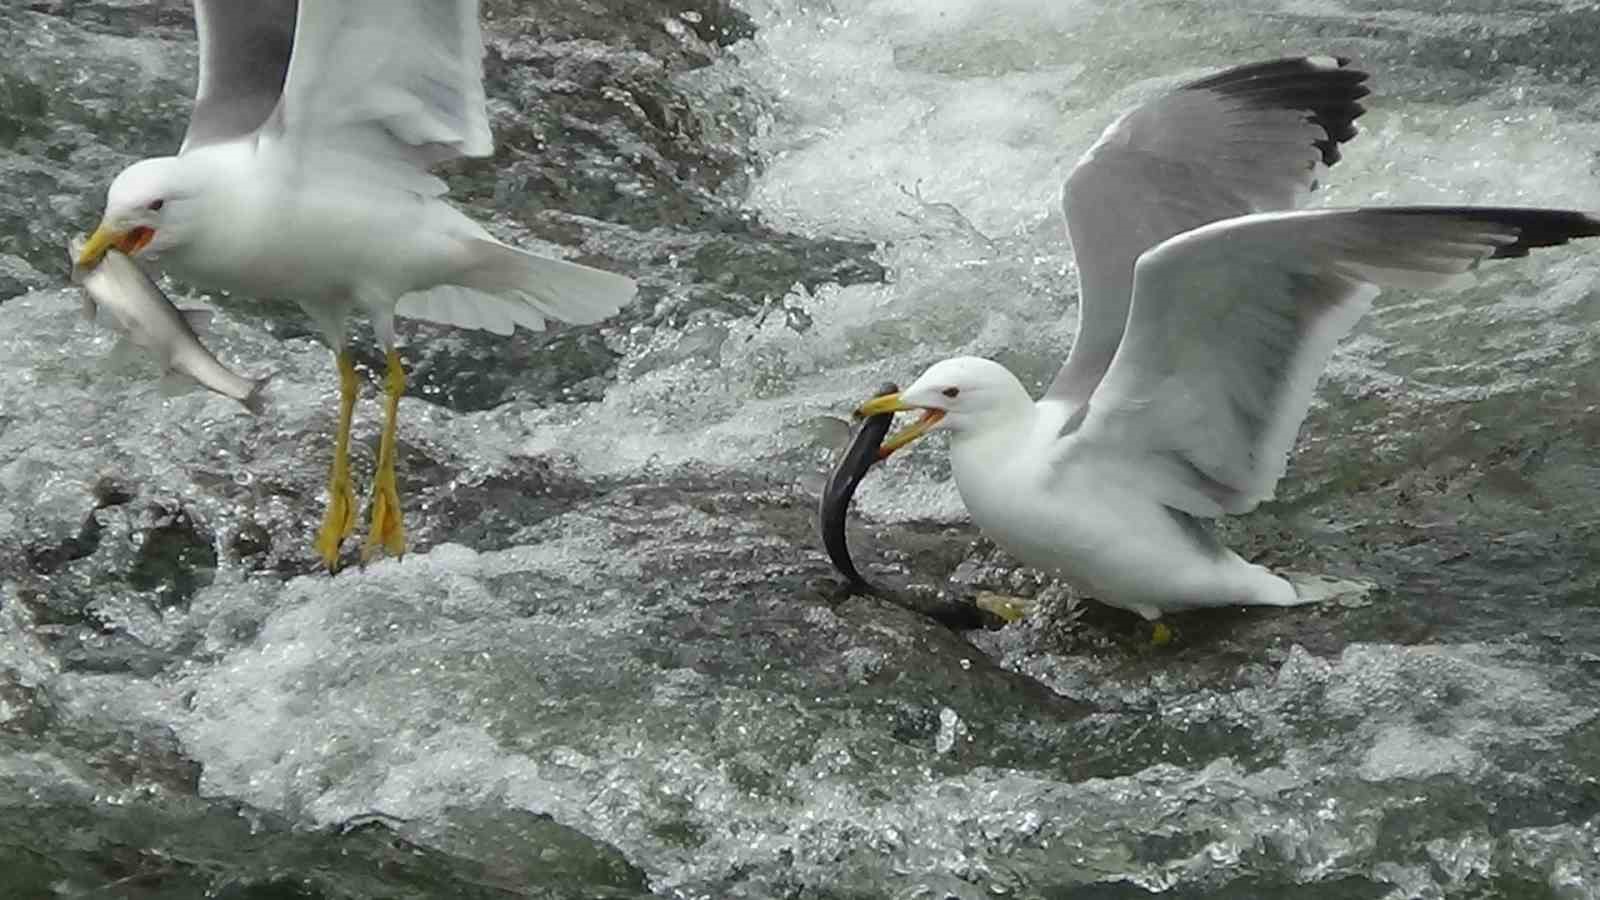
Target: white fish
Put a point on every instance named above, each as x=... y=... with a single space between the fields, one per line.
x=119 y=290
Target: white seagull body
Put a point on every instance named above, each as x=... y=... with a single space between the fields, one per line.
x=304 y=175
x=1207 y=311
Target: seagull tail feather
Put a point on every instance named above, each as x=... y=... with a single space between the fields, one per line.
x=556 y=288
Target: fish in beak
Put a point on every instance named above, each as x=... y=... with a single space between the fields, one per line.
x=862 y=454
x=891 y=403
x=117 y=288
x=871 y=426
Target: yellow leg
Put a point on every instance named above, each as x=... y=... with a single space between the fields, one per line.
x=388 y=531
x=339 y=519
x=1161 y=634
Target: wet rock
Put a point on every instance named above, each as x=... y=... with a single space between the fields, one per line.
x=175 y=558
x=252 y=539
x=24 y=708
x=111 y=491
x=518 y=847
x=17 y=277
x=171 y=847
x=491 y=513
x=467 y=371
x=49 y=558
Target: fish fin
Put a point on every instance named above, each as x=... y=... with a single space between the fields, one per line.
x=198 y=319
x=256 y=400
x=175 y=384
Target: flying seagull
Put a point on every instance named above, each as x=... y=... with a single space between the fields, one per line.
x=304 y=175
x=1208 y=309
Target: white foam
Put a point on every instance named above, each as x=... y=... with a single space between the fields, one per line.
x=416 y=686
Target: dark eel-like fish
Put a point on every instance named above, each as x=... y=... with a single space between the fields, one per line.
x=851 y=468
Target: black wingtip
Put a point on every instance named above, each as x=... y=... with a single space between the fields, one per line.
x=1544 y=228
x=1534 y=227
x=1278 y=68
x=1327 y=87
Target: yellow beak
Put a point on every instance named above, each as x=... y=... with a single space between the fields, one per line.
x=877 y=406
x=891 y=403
x=106 y=237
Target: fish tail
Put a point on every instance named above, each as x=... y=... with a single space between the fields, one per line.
x=256 y=399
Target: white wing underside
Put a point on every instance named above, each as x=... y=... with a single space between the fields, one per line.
x=244 y=55
x=398 y=83
x=382 y=89
x=1232 y=324
x=1250 y=139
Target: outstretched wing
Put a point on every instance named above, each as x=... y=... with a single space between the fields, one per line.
x=1233 y=323
x=1250 y=139
x=386 y=87
x=244 y=55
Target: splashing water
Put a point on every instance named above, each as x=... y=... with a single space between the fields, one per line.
x=618 y=666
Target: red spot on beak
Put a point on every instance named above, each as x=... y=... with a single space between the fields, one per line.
x=136 y=239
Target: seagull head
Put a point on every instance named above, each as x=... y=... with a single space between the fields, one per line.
x=963 y=395
x=145 y=210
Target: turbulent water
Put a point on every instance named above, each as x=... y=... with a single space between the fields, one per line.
x=618 y=664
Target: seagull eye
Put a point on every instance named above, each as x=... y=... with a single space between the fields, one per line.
x=155 y=205
x=951 y=392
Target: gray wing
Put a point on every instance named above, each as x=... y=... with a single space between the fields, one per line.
x=384 y=89
x=1250 y=139
x=244 y=56
x=1233 y=323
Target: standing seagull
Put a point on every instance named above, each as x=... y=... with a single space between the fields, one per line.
x=1204 y=322
x=304 y=175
